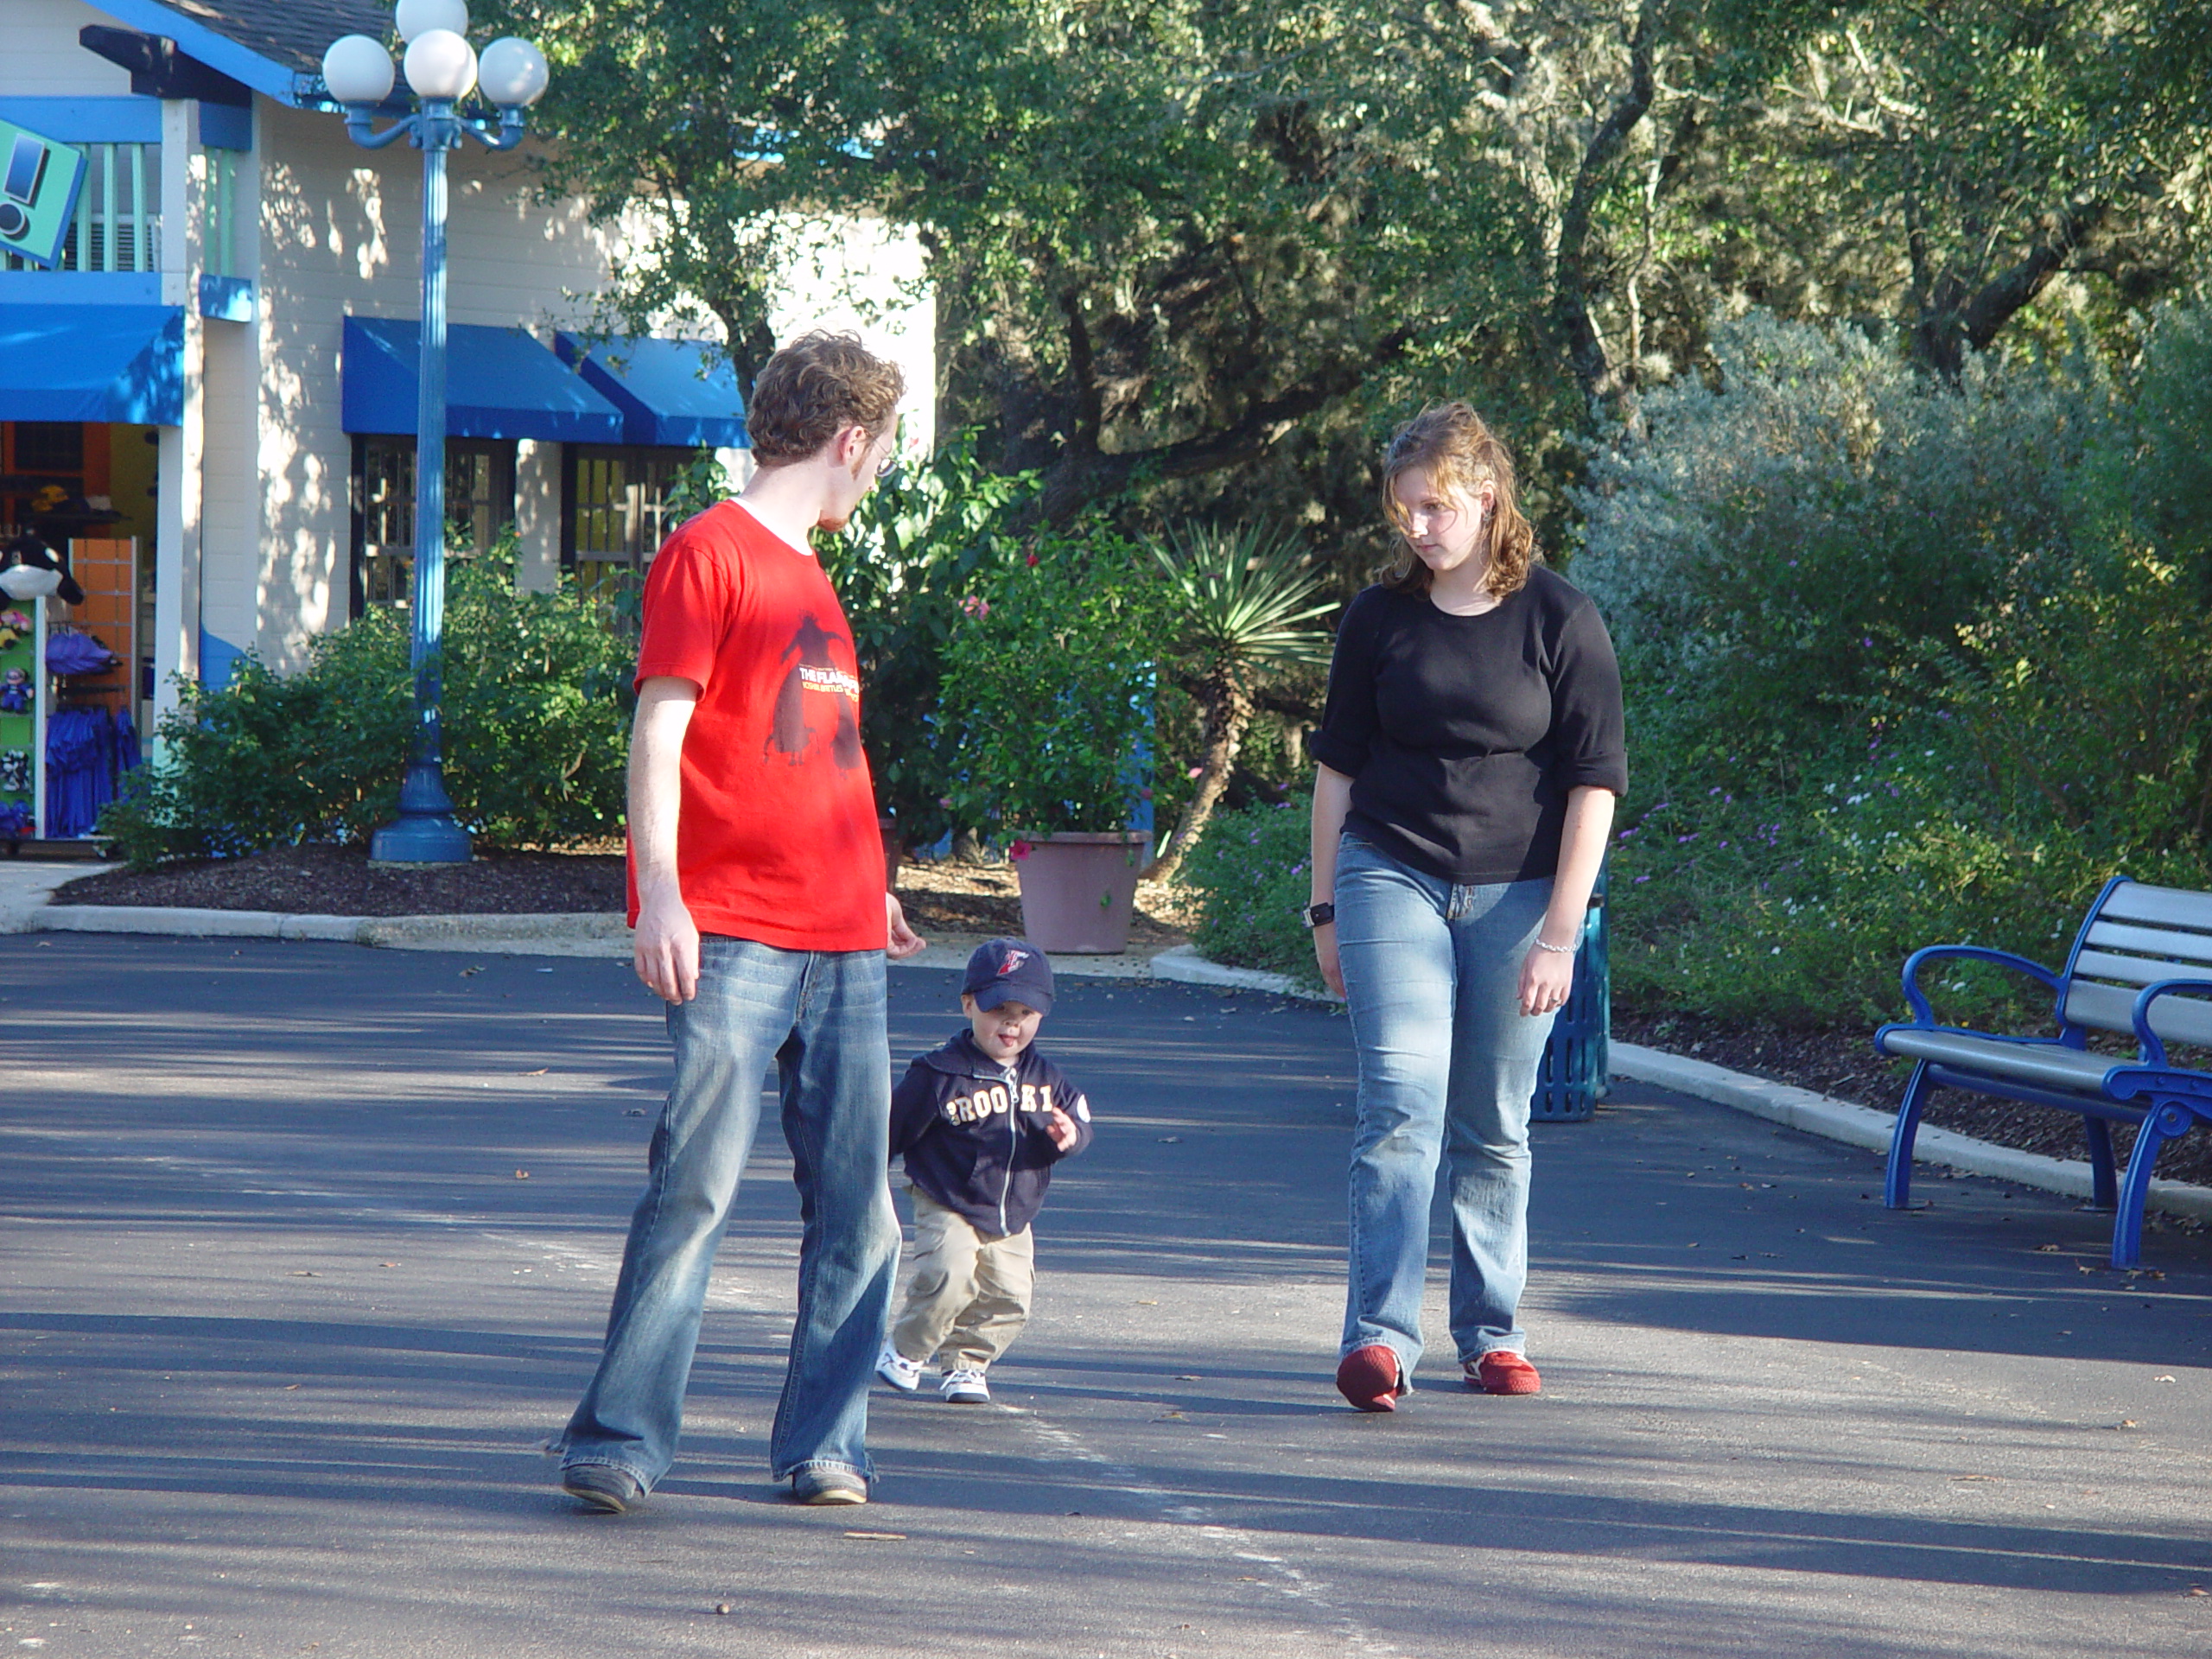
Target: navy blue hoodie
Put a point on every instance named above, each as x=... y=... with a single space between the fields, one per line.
x=974 y=1132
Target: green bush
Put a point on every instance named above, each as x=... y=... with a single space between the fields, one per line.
x=928 y=536
x=535 y=709
x=1048 y=688
x=1801 y=538
x=2028 y=711
x=1250 y=870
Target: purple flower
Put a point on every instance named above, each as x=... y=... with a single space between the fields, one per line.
x=1679 y=840
x=1640 y=878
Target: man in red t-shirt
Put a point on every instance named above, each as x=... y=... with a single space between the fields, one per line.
x=757 y=893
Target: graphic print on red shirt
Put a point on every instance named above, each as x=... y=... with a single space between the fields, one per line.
x=776 y=836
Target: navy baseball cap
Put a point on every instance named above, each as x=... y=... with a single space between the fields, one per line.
x=1009 y=970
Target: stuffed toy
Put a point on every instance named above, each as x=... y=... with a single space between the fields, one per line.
x=15 y=692
x=31 y=569
x=14 y=770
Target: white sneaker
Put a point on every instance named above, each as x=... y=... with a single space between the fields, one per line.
x=901 y=1372
x=965 y=1387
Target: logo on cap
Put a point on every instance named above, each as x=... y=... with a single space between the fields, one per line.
x=1014 y=957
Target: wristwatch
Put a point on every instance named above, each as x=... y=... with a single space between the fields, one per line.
x=1319 y=915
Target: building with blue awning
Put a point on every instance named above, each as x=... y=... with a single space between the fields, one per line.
x=218 y=383
x=672 y=392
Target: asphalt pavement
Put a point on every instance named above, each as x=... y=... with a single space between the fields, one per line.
x=306 y=1248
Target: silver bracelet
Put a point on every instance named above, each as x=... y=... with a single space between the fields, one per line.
x=1556 y=950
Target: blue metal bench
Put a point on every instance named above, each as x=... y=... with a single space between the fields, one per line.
x=2141 y=966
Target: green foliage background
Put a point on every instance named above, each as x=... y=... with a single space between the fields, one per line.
x=536 y=714
x=1906 y=663
x=1050 y=679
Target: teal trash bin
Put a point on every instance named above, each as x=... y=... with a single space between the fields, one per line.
x=1571 y=1077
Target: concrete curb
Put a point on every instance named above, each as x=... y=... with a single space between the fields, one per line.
x=553 y=934
x=1184 y=964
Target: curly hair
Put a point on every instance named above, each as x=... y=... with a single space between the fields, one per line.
x=1460 y=454
x=813 y=389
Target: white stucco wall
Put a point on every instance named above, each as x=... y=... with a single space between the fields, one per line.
x=342 y=233
x=38 y=41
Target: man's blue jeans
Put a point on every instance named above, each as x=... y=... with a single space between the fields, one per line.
x=820 y=1017
x=1447 y=1064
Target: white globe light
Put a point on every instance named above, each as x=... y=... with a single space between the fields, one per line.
x=357 y=70
x=511 y=73
x=439 y=64
x=414 y=17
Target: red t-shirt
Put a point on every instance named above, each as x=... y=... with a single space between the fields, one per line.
x=776 y=838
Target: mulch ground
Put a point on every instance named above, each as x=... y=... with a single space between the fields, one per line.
x=946 y=898
x=950 y=897
x=338 y=882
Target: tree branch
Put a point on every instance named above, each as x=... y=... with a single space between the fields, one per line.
x=1572 y=278
x=1079 y=479
x=1950 y=329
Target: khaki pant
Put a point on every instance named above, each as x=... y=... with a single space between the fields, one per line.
x=969 y=1296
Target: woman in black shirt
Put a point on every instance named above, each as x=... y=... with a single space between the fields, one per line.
x=1470 y=753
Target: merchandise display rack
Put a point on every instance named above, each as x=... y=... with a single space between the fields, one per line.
x=27 y=730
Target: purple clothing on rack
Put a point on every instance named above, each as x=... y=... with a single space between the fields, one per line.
x=79 y=770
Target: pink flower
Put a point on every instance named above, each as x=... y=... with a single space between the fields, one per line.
x=976 y=606
x=1020 y=850
x=945 y=801
x=1195 y=770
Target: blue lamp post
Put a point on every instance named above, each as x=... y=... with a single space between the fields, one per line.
x=441 y=68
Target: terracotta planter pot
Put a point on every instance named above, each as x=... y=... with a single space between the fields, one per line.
x=1078 y=890
x=894 y=849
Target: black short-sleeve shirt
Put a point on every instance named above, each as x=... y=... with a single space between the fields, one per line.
x=1462 y=735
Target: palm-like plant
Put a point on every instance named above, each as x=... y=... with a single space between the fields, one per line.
x=1242 y=596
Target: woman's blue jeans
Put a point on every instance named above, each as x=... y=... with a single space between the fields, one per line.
x=1447 y=1064
x=820 y=1017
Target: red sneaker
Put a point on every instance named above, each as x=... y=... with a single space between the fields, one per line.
x=1503 y=1371
x=1369 y=1377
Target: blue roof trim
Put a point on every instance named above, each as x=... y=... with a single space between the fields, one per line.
x=93 y=363
x=500 y=383
x=217 y=51
x=225 y=126
x=673 y=393
x=126 y=120
x=104 y=289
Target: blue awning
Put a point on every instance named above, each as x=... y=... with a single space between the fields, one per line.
x=500 y=383
x=672 y=392
x=93 y=363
